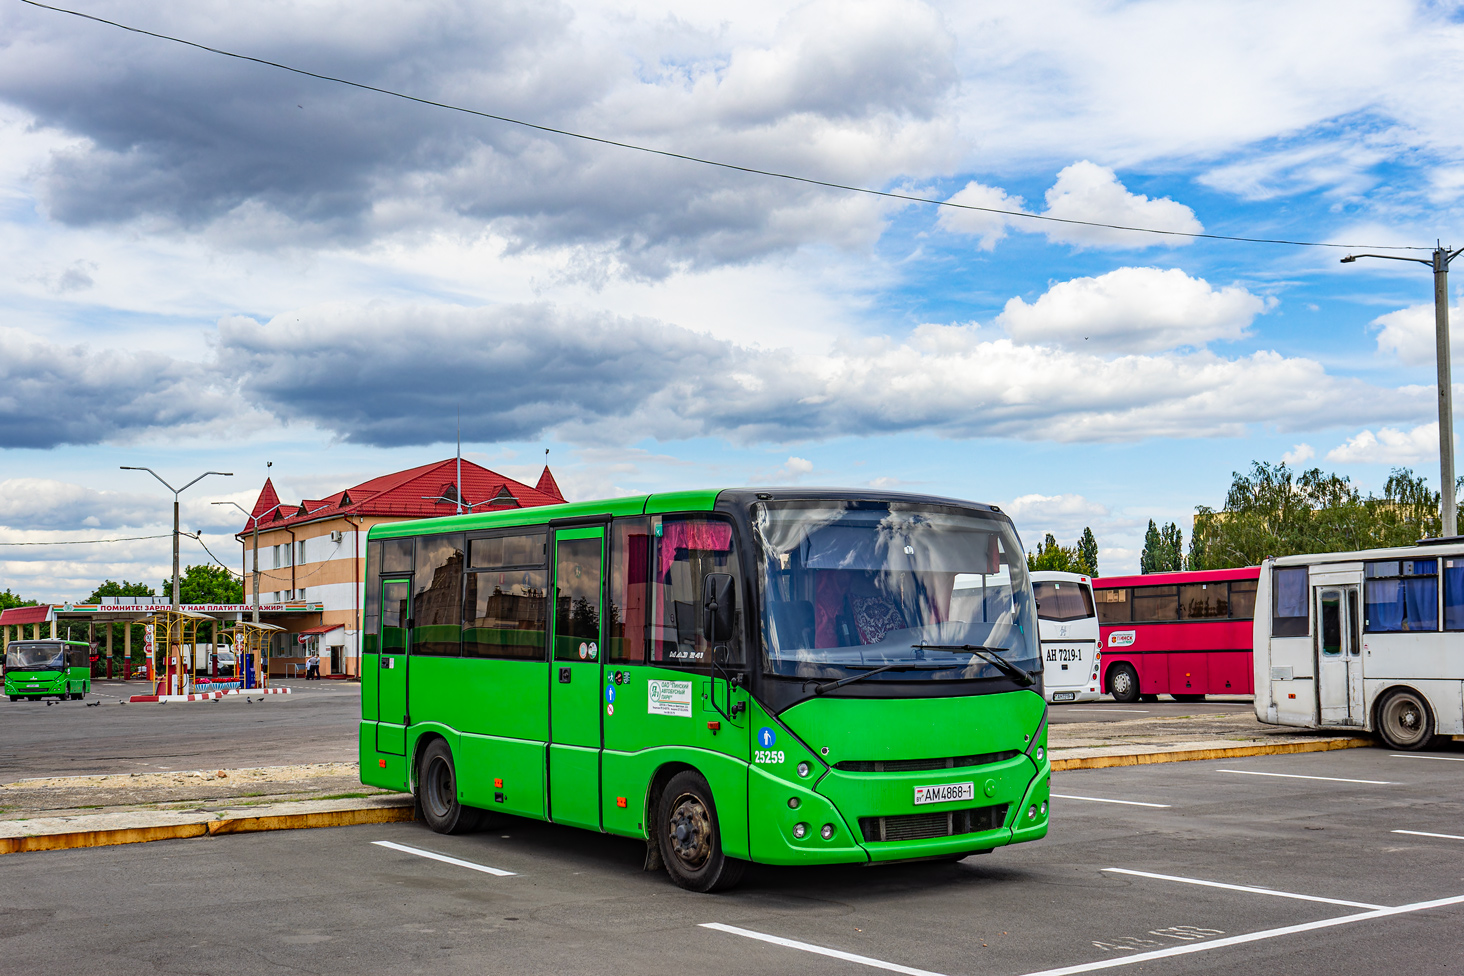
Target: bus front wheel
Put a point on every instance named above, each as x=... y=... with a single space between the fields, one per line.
x=437 y=793
x=1404 y=720
x=1123 y=683
x=690 y=841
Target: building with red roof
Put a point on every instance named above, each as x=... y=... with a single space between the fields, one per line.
x=314 y=549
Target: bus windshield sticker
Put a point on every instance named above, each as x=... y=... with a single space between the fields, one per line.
x=669 y=698
x=1121 y=638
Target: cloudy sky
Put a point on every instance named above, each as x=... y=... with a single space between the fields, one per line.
x=213 y=264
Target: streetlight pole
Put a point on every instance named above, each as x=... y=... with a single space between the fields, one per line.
x=1439 y=263
x=176 y=492
x=255 y=519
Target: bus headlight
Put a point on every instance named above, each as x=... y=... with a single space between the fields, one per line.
x=1044 y=808
x=827 y=832
x=1040 y=753
x=1032 y=812
x=793 y=803
x=803 y=769
x=800 y=831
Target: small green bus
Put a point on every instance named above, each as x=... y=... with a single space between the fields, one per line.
x=781 y=676
x=41 y=668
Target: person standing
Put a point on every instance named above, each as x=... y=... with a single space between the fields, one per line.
x=312 y=668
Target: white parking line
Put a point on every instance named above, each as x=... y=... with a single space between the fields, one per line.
x=1329 y=779
x=1183 y=950
x=496 y=872
x=1099 y=799
x=818 y=950
x=1424 y=833
x=1247 y=888
x=1398 y=755
x=1088 y=967
x=1136 y=711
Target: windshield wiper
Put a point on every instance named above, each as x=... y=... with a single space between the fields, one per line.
x=831 y=685
x=1024 y=678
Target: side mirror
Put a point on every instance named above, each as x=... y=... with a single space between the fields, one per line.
x=718 y=604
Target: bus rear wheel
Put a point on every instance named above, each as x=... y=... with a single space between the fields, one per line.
x=437 y=793
x=689 y=838
x=1123 y=683
x=1404 y=721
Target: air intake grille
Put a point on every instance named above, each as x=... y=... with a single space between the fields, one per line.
x=924 y=826
x=912 y=765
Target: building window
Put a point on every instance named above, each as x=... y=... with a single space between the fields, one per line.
x=300 y=555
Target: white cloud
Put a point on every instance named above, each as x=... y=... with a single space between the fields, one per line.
x=1299 y=454
x=1065 y=516
x=1389 y=445
x=1087 y=191
x=990 y=227
x=1410 y=333
x=1133 y=310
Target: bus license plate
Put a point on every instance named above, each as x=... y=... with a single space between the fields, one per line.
x=1058 y=696
x=945 y=793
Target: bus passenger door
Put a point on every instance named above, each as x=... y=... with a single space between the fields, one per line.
x=574 y=677
x=1338 y=654
x=391 y=679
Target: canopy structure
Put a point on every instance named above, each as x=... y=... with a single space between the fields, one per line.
x=172 y=634
x=251 y=652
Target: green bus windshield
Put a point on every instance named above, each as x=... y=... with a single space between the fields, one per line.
x=858 y=584
x=35 y=656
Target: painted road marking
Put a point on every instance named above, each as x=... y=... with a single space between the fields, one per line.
x=1088 y=967
x=1136 y=711
x=1329 y=779
x=818 y=950
x=1246 y=888
x=1424 y=833
x=1395 y=755
x=1099 y=799
x=496 y=872
x=1232 y=940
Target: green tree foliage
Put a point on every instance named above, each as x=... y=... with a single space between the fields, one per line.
x=1273 y=511
x=124 y=588
x=206 y=584
x=1088 y=552
x=1163 y=549
x=1066 y=559
x=8 y=600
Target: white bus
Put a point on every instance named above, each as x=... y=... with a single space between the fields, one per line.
x=1068 y=626
x=1367 y=641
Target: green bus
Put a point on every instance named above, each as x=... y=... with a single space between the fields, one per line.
x=781 y=676
x=41 y=668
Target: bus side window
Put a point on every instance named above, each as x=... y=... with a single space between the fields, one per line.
x=1289 y=617
x=371 y=606
x=1242 y=599
x=627 y=612
x=437 y=596
x=1114 y=606
x=1453 y=594
x=684 y=551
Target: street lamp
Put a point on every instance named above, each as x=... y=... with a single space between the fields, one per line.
x=176 y=492
x=255 y=519
x=1439 y=262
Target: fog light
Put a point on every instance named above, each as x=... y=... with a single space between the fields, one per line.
x=792 y=803
x=1040 y=753
x=800 y=831
x=1032 y=813
x=827 y=832
x=803 y=769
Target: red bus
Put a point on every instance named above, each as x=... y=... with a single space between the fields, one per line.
x=1181 y=634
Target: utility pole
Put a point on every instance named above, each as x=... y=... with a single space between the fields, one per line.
x=176 y=492
x=255 y=519
x=1439 y=263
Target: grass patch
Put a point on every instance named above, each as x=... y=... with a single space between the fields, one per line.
x=344 y=796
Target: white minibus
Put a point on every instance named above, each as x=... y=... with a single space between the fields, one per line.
x=1369 y=641
x=1068 y=626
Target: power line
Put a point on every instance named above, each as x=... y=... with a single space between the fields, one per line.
x=90 y=542
x=809 y=181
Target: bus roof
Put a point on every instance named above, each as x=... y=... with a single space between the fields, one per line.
x=1443 y=547
x=1169 y=579
x=1048 y=575
x=701 y=500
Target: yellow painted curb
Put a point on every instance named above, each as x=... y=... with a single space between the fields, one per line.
x=324 y=818
x=1227 y=752
x=233 y=825
x=99 y=838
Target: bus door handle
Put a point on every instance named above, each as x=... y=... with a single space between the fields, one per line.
x=564 y=675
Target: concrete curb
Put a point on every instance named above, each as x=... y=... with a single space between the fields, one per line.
x=346 y=817
x=257 y=691
x=161 y=699
x=1224 y=752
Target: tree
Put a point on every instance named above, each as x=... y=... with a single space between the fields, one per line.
x=1163 y=549
x=207 y=584
x=1273 y=511
x=124 y=588
x=8 y=600
x=1088 y=553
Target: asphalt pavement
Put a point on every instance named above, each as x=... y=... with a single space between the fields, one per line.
x=1109 y=710
x=1285 y=864
x=316 y=722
